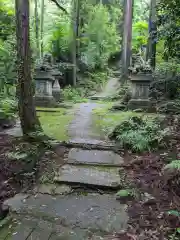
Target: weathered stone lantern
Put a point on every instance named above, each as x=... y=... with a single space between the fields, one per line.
x=43 y=87
x=56 y=90
x=140 y=84
x=141 y=78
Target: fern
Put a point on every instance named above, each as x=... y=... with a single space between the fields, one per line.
x=173 y=165
x=140 y=134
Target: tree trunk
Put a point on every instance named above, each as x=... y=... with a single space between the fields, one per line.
x=127 y=37
x=153 y=33
x=27 y=112
x=78 y=30
x=36 y=26
x=42 y=28
x=74 y=40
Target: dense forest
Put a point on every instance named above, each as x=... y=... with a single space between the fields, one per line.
x=93 y=75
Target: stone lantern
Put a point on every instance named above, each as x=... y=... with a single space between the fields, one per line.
x=43 y=87
x=140 y=84
x=141 y=78
x=56 y=90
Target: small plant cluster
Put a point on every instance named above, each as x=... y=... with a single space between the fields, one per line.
x=139 y=134
x=8 y=108
x=73 y=94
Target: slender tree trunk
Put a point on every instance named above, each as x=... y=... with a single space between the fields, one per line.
x=127 y=38
x=27 y=112
x=37 y=26
x=151 y=46
x=78 y=29
x=42 y=28
x=74 y=40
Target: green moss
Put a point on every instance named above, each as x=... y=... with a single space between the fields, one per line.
x=48 y=109
x=7 y=229
x=124 y=193
x=55 y=124
x=105 y=120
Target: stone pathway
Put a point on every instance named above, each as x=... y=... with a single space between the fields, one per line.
x=72 y=214
x=80 y=130
x=109 y=91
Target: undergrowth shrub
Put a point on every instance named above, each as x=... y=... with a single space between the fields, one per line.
x=8 y=108
x=139 y=134
x=167 y=81
x=73 y=94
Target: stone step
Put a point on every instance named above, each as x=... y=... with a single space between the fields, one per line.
x=96 y=97
x=100 y=176
x=94 y=157
x=93 y=212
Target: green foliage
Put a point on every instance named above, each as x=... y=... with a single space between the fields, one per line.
x=170 y=68
x=7 y=66
x=100 y=37
x=141 y=12
x=169 y=23
x=8 y=108
x=73 y=94
x=140 y=34
x=123 y=193
x=174 y=213
x=55 y=124
x=93 y=82
x=106 y=120
x=139 y=134
x=175 y=164
x=7 y=47
x=7 y=20
x=59 y=41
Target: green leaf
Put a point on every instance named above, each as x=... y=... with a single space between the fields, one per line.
x=174 y=213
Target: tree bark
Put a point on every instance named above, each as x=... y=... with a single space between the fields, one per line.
x=127 y=37
x=152 y=33
x=26 y=105
x=42 y=28
x=74 y=40
x=36 y=26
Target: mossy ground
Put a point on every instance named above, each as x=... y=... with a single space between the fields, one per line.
x=55 y=124
x=105 y=120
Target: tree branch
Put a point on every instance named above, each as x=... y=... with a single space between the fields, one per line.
x=59 y=6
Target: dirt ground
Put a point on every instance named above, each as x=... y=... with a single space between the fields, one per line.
x=21 y=175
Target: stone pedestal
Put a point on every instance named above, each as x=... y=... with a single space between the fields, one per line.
x=140 y=84
x=43 y=93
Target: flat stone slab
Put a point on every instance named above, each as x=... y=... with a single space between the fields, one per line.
x=53 y=189
x=93 y=212
x=91 y=175
x=30 y=228
x=16 y=201
x=79 y=156
x=87 y=141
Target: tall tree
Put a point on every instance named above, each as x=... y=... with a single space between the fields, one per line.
x=36 y=16
x=127 y=37
x=42 y=27
x=75 y=11
x=27 y=112
x=151 y=53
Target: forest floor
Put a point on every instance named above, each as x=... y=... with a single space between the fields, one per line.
x=73 y=193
